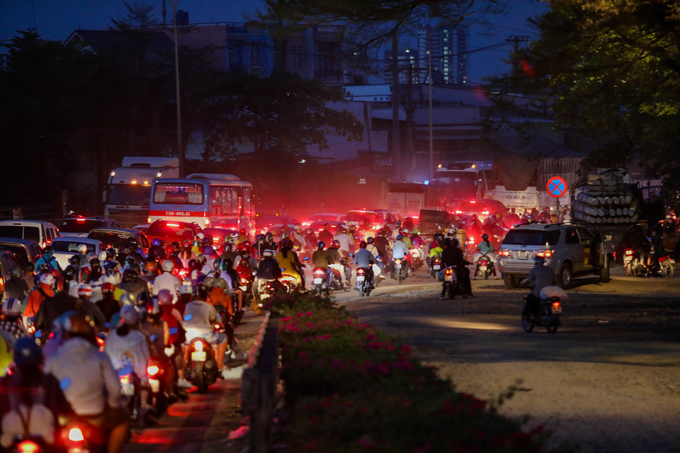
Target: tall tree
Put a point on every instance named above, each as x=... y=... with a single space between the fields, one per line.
x=612 y=68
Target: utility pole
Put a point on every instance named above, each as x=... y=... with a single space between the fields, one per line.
x=396 y=152
x=180 y=147
x=165 y=12
x=516 y=40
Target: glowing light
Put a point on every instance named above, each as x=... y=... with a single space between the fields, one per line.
x=198 y=346
x=427 y=183
x=134 y=181
x=158 y=175
x=153 y=370
x=75 y=435
x=113 y=173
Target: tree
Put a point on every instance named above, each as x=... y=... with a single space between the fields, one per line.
x=281 y=116
x=611 y=68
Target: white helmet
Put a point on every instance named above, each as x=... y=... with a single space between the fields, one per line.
x=167 y=266
x=451 y=231
x=84 y=290
x=201 y=236
x=234 y=235
x=82 y=248
x=127 y=299
x=297 y=226
x=47 y=279
x=12 y=306
x=404 y=232
x=102 y=257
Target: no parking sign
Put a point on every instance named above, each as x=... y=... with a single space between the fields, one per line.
x=556 y=187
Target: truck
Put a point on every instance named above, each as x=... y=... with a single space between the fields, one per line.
x=408 y=199
x=128 y=191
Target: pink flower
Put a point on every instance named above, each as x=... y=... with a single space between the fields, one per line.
x=336 y=363
x=388 y=346
x=406 y=349
x=323 y=337
x=374 y=345
x=370 y=337
x=310 y=325
x=382 y=369
x=309 y=313
x=300 y=315
x=286 y=319
x=404 y=365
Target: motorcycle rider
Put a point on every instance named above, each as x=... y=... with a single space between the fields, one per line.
x=657 y=249
x=156 y=251
x=289 y=263
x=95 y=270
x=452 y=256
x=370 y=246
x=49 y=259
x=167 y=281
x=399 y=251
x=383 y=245
x=11 y=310
x=258 y=247
x=298 y=238
x=89 y=381
x=364 y=259
x=135 y=287
x=325 y=235
x=39 y=295
x=337 y=264
x=16 y=286
x=199 y=321
x=539 y=277
x=109 y=306
x=268 y=269
x=29 y=390
x=346 y=240
x=486 y=249
x=321 y=258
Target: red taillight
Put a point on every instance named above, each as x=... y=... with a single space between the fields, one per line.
x=28 y=446
x=448 y=272
x=217 y=327
x=100 y=342
x=198 y=346
x=243 y=280
x=544 y=253
x=458 y=211
x=75 y=434
x=172 y=224
x=629 y=252
x=397 y=261
x=319 y=272
x=556 y=305
x=504 y=253
x=153 y=370
x=360 y=272
x=483 y=263
x=80 y=220
x=125 y=379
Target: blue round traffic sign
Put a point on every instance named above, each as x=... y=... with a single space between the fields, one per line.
x=556 y=187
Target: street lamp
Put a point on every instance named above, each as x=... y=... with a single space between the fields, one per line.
x=180 y=150
x=429 y=54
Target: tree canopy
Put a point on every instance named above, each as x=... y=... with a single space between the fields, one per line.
x=612 y=68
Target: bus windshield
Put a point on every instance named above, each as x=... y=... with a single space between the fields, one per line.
x=128 y=194
x=178 y=193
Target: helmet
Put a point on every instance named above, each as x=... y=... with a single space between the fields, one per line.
x=130 y=275
x=44 y=268
x=156 y=242
x=363 y=244
x=129 y=315
x=399 y=237
x=48 y=250
x=234 y=236
x=242 y=248
x=128 y=299
x=94 y=262
x=209 y=282
x=85 y=290
x=165 y=297
x=74 y=323
x=370 y=240
x=110 y=254
x=168 y=266
x=175 y=246
x=539 y=260
x=201 y=259
x=404 y=232
x=12 y=306
x=269 y=236
x=186 y=243
x=47 y=279
x=82 y=248
x=74 y=260
x=220 y=283
x=169 y=249
x=336 y=244
x=27 y=352
x=322 y=245
x=270 y=252
x=108 y=288
x=184 y=289
x=247 y=243
x=15 y=272
x=242 y=231
x=485 y=236
x=259 y=237
x=129 y=260
x=152 y=266
x=70 y=273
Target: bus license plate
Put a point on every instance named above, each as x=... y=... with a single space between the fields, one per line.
x=155 y=385
x=360 y=278
x=317 y=281
x=198 y=356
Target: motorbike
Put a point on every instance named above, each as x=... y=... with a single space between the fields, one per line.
x=436 y=266
x=131 y=394
x=401 y=269
x=636 y=267
x=363 y=284
x=246 y=279
x=416 y=260
x=320 y=280
x=157 y=374
x=452 y=284
x=201 y=368
x=549 y=316
x=485 y=267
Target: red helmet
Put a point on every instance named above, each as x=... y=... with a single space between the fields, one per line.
x=55 y=273
x=247 y=244
x=242 y=231
x=336 y=244
x=242 y=247
x=169 y=249
x=107 y=288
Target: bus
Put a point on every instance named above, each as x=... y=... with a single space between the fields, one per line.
x=208 y=199
x=464 y=180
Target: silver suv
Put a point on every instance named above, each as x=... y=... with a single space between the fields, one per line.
x=570 y=250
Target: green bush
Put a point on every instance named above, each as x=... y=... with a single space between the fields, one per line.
x=353 y=388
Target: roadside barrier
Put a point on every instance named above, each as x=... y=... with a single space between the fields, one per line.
x=259 y=384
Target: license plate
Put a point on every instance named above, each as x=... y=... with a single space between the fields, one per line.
x=264 y=296
x=523 y=255
x=627 y=261
x=198 y=356
x=557 y=311
x=243 y=288
x=360 y=278
x=127 y=389
x=482 y=268
x=397 y=265
x=317 y=281
x=155 y=385
x=436 y=267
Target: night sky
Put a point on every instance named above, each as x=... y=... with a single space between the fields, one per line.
x=56 y=19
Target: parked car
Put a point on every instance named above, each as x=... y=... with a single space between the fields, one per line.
x=7 y=262
x=324 y=216
x=24 y=250
x=264 y=223
x=169 y=231
x=81 y=226
x=65 y=247
x=569 y=250
x=35 y=230
x=119 y=237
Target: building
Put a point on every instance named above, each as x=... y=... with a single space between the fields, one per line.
x=449 y=51
x=409 y=66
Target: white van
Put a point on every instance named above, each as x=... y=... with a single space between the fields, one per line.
x=36 y=230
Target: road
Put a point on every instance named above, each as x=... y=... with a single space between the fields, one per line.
x=608 y=381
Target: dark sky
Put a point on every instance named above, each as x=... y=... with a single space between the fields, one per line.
x=56 y=19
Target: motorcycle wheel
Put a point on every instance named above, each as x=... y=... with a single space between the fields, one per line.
x=399 y=280
x=527 y=320
x=450 y=293
x=198 y=379
x=667 y=269
x=485 y=275
x=161 y=404
x=629 y=270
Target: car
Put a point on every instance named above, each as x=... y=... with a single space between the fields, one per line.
x=168 y=231
x=390 y=217
x=264 y=223
x=7 y=262
x=35 y=230
x=143 y=228
x=324 y=216
x=318 y=225
x=218 y=234
x=118 y=237
x=359 y=218
x=24 y=250
x=569 y=250
x=81 y=226
x=66 y=246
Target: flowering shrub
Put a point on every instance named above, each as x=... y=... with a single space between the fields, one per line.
x=352 y=388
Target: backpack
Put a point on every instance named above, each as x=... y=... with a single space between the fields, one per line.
x=35 y=420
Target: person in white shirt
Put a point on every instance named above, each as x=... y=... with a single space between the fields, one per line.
x=167 y=281
x=399 y=251
x=346 y=241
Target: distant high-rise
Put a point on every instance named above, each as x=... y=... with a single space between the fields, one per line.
x=408 y=63
x=449 y=52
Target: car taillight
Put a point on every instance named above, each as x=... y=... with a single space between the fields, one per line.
x=556 y=305
x=544 y=253
x=504 y=253
x=100 y=342
x=198 y=346
x=75 y=434
x=319 y=272
x=153 y=370
x=472 y=240
x=207 y=222
x=44 y=244
x=629 y=252
x=125 y=379
x=28 y=446
x=458 y=211
x=217 y=327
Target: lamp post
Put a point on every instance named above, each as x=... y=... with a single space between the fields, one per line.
x=180 y=148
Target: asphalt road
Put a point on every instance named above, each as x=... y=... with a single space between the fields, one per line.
x=608 y=381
